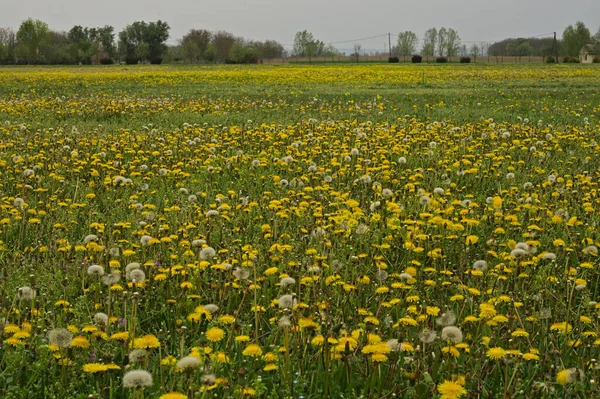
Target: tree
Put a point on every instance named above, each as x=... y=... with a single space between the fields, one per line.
x=302 y=41
x=407 y=44
x=474 y=51
x=7 y=45
x=271 y=49
x=194 y=44
x=356 y=53
x=106 y=38
x=451 y=42
x=441 y=41
x=429 y=42
x=32 y=36
x=156 y=35
x=153 y=34
x=574 y=38
x=222 y=41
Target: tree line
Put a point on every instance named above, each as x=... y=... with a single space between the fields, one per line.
x=146 y=42
x=140 y=42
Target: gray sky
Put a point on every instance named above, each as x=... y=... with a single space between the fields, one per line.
x=328 y=20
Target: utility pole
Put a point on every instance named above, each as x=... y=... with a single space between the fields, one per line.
x=555 y=48
x=390 y=43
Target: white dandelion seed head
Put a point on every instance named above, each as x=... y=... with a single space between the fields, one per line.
x=188 y=363
x=286 y=301
x=101 y=318
x=137 y=275
x=95 y=270
x=137 y=379
x=60 y=337
x=26 y=293
x=207 y=253
x=137 y=356
x=287 y=281
x=453 y=334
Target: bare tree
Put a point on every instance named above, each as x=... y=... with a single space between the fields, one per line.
x=223 y=41
x=357 y=49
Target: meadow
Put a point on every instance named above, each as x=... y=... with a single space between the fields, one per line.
x=298 y=231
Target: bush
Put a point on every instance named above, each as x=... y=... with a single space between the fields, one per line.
x=571 y=60
x=106 y=61
x=416 y=59
x=441 y=60
x=393 y=59
x=550 y=60
x=596 y=60
x=131 y=61
x=465 y=60
x=156 y=61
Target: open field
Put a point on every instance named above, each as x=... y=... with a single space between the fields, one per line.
x=300 y=231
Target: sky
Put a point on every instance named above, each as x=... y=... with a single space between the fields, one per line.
x=328 y=20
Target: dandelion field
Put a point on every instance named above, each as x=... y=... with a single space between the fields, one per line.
x=300 y=231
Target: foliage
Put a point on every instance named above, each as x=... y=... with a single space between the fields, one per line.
x=465 y=60
x=393 y=59
x=574 y=38
x=441 y=60
x=32 y=36
x=416 y=59
x=325 y=232
x=141 y=41
x=407 y=43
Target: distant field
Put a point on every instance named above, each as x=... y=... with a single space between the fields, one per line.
x=308 y=231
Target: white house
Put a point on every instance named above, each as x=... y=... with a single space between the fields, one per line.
x=588 y=53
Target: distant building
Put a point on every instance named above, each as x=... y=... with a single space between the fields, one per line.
x=588 y=53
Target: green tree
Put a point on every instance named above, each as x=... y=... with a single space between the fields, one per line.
x=574 y=38
x=451 y=42
x=407 y=44
x=194 y=44
x=32 y=36
x=305 y=45
x=429 y=42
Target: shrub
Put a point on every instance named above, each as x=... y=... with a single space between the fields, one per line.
x=416 y=59
x=156 y=61
x=107 y=61
x=393 y=59
x=465 y=60
x=571 y=60
x=131 y=61
x=596 y=60
x=441 y=60
x=550 y=60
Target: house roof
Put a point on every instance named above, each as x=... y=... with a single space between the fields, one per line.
x=591 y=48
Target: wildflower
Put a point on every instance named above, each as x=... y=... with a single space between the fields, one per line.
x=496 y=353
x=188 y=363
x=26 y=293
x=80 y=342
x=207 y=253
x=146 y=342
x=453 y=334
x=101 y=318
x=211 y=308
x=427 y=336
x=566 y=376
x=286 y=281
x=94 y=368
x=137 y=379
x=284 y=322
x=137 y=355
x=252 y=350
x=173 y=395
x=95 y=270
x=241 y=273
x=451 y=390
x=214 y=334
x=446 y=319
x=60 y=337
x=286 y=301
x=137 y=275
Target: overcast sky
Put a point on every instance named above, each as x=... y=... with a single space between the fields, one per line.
x=328 y=20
